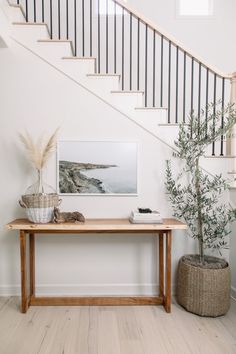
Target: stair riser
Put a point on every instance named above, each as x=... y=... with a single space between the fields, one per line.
x=53 y=51
x=30 y=33
x=78 y=69
x=103 y=85
x=127 y=101
x=13 y=13
x=151 y=119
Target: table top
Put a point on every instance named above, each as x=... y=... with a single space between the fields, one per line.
x=96 y=225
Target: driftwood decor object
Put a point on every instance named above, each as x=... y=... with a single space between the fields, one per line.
x=61 y=217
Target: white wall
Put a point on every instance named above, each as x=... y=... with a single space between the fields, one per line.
x=212 y=38
x=233 y=246
x=36 y=97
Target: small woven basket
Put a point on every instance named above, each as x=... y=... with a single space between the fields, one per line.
x=39 y=207
x=205 y=292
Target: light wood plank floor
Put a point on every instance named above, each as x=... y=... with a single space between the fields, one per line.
x=113 y=330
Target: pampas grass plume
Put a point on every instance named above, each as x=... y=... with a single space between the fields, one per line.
x=40 y=152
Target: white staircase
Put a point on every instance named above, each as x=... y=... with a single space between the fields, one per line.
x=35 y=37
x=59 y=53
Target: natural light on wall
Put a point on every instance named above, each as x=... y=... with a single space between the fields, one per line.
x=195 y=7
x=107 y=7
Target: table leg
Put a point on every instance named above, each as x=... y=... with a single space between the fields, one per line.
x=32 y=264
x=161 y=265
x=24 y=299
x=168 y=272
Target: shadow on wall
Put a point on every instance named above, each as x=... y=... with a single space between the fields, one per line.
x=2 y=43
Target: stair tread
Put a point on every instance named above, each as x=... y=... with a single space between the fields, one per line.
x=30 y=23
x=103 y=74
x=123 y=91
x=150 y=108
x=171 y=124
x=79 y=58
x=55 y=40
x=222 y=157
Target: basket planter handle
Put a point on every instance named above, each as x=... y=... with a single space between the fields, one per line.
x=22 y=204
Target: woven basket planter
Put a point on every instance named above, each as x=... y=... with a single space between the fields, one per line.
x=205 y=292
x=40 y=207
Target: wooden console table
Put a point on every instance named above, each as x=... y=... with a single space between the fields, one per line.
x=164 y=231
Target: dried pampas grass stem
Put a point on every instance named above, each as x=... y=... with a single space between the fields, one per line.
x=40 y=152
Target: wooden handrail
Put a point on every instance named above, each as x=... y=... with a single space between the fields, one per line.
x=174 y=41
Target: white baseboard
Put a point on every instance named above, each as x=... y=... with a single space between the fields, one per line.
x=233 y=293
x=86 y=289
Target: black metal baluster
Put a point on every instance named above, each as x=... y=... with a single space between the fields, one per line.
x=75 y=27
x=115 y=37
x=154 y=70
x=123 y=52
x=51 y=28
x=26 y=11
x=107 y=64
x=59 y=18
x=161 y=80
x=91 y=27
x=146 y=59
x=83 y=46
x=43 y=11
x=177 y=85
x=207 y=97
x=138 y=55
x=184 y=89
x=131 y=53
x=192 y=85
x=67 y=20
x=169 y=81
x=199 y=91
x=99 y=46
x=222 y=117
x=35 y=16
x=214 y=112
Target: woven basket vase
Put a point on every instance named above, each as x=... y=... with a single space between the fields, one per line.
x=205 y=292
x=39 y=207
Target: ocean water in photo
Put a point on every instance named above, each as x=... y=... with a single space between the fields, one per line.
x=115 y=179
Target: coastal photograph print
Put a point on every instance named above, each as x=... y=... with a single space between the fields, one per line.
x=97 y=168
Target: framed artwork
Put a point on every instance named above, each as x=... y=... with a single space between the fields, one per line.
x=96 y=168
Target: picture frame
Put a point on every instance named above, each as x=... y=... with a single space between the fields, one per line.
x=97 y=168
